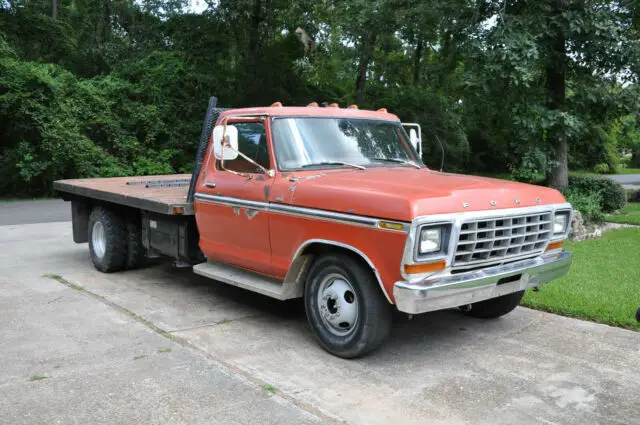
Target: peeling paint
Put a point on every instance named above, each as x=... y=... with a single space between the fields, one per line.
x=279 y=198
x=250 y=213
x=293 y=187
x=315 y=176
x=236 y=211
x=260 y=178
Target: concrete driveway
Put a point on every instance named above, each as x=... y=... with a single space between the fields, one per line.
x=161 y=345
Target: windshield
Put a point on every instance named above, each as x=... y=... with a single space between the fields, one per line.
x=341 y=142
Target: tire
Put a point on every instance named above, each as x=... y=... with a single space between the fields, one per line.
x=346 y=311
x=495 y=307
x=107 y=240
x=136 y=257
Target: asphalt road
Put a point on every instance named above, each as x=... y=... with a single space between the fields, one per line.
x=626 y=178
x=41 y=211
x=161 y=345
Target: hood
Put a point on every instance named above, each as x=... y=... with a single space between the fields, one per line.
x=403 y=193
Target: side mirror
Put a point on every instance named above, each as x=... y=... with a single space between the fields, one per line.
x=415 y=140
x=220 y=151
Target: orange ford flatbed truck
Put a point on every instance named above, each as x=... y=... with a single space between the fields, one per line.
x=332 y=205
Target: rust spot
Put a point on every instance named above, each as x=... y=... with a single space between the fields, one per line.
x=267 y=190
x=219 y=193
x=260 y=178
x=250 y=213
x=285 y=175
x=351 y=211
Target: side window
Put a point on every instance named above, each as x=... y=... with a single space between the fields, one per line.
x=252 y=141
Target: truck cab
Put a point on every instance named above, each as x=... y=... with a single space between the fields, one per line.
x=334 y=205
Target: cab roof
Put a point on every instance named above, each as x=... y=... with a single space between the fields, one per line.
x=312 y=111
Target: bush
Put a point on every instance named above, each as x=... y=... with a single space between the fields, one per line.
x=633 y=196
x=635 y=156
x=612 y=195
x=588 y=203
x=601 y=168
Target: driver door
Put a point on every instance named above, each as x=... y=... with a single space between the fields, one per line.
x=232 y=218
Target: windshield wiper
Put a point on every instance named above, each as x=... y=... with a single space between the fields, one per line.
x=400 y=161
x=348 y=164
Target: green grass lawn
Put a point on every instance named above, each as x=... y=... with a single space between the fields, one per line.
x=592 y=173
x=603 y=283
x=629 y=171
x=629 y=214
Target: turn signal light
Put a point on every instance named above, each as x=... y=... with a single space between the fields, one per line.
x=425 y=267
x=391 y=226
x=554 y=245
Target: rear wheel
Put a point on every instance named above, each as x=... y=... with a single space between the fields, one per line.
x=107 y=240
x=345 y=309
x=495 y=307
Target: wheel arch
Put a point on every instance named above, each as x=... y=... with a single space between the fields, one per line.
x=311 y=248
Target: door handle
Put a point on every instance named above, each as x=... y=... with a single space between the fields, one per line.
x=210 y=184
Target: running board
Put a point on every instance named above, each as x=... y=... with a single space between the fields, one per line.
x=245 y=279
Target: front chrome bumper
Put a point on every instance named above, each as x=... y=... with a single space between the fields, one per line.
x=442 y=292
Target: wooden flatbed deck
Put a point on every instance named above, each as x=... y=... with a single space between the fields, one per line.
x=165 y=194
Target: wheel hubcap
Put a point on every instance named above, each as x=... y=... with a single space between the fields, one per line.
x=338 y=304
x=98 y=239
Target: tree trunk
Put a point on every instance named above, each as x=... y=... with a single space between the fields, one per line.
x=54 y=10
x=107 y=21
x=556 y=87
x=368 y=45
x=417 y=57
x=254 y=35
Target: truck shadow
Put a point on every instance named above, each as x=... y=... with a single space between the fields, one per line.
x=415 y=337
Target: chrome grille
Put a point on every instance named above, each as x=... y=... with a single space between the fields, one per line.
x=499 y=239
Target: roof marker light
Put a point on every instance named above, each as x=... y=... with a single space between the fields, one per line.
x=313 y=104
x=382 y=110
x=352 y=106
x=333 y=105
x=277 y=104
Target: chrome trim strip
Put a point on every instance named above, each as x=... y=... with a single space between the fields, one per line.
x=443 y=292
x=306 y=243
x=303 y=212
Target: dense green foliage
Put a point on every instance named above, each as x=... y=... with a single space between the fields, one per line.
x=115 y=87
x=612 y=196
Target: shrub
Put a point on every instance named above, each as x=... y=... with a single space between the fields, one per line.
x=612 y=195
x=588 y=203
x=601 y=168
x=635 y=156
x=633 y=196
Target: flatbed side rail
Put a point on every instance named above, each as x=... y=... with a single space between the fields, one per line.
x=158 y=204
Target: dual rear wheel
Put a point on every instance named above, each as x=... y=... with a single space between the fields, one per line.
x=115 y=240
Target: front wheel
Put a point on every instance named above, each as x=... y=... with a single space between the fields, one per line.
x=347 y=313
x=495 y=307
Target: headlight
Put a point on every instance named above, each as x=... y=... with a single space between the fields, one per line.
x=430 y=240
x=560 y=222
